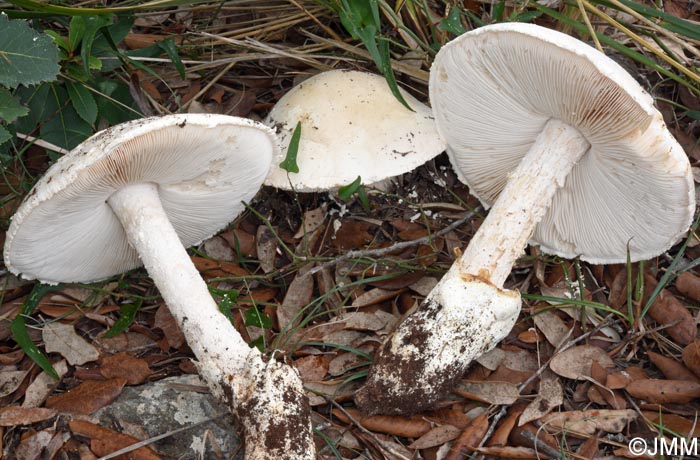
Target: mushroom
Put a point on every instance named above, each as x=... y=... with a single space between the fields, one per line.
x=570 y=153
x=141 y=192
x=351 y=125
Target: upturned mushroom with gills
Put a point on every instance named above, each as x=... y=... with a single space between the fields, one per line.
x=141 y=192
x=570 y=154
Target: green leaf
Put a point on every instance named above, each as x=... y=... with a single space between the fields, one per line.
x=92 y=25
x=117 y=105
x=346 y=191
x=498 y=9
x=453 y=23
x=58 y=40
x=228 y=298
x=82 y=101
x=259 y=343
x=290 y=161
x=64 y=127
x=168 y=45
x=76 y=32
x=389 y=73
x=10 y=107
x=254 y=317
x=128 y=313
x=18 y=327
x=26 y=56
x=4 y=135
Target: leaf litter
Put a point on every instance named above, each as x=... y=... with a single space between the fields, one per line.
x=556 y=385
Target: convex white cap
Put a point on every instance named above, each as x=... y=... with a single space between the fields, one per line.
x=493 y=90
x=351 y=125
x=203 y=165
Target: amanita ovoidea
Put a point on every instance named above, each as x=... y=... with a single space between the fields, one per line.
x=571 y=154
x=351 y=125
x=141 y=192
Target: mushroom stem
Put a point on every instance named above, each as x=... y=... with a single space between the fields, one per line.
x=150 y=233
x=523 y=202
x=268 y=398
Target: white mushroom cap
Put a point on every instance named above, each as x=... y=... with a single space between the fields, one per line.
x=351 y=125
x=204 y=167
x=493 y=90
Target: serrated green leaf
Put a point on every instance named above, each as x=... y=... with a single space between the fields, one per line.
x=168 y=45
x=10 y=107
x=83 y=101
x=128 y=313
x=290 y=161
x=27 y=57
x=346 y=191
x=254 y=317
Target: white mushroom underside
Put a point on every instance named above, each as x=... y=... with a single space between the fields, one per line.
x=352 y=125
x=66 y=231
x=629 y=162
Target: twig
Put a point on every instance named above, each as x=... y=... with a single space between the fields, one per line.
x=42 y=143
x=361 y=253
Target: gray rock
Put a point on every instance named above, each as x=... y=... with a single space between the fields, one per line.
x=172 y=404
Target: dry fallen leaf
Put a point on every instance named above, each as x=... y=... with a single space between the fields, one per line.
x=664 y=391
x=10 y=380
x=436 y=437
x=552 y=326
x=62 y=339
x=672 y=369
x=575 y=363
x=298 y=296
x=470 y=438
x=588 y=421
x=499 y=393
x=88 y=397
x=32 y=447
x=407 y=427
x=104 y=442
x=266 y=245
x=311 y=221
x=17 y=415
x=124 y=365
x=43 y=385
x=549 y=397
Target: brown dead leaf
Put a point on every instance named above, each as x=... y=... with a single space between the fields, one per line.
x=43 y=385
x=373 y=296
x=312 y=367
x=266 y=245
x=165 y=321
x=575 y=363
x=664 y=391
x=33 y=446
x=352 y=234
x=689 y=285
x=674 y=423
x=312 y=220
x=347 y=361
x=10 y=380
x=505 y=427
x=588 y=421
x=297 y=297
x=88 y=397
x=135 y=41
x=123 y=365
x=407 y=427
x=549 y=397
x=424 y=285
x=499 y=393
x=360 y=321
x=469 y=439
x=552 y=326
x=12 y=357
x=126 y=341
x=512 y=453
x=617 y=380
x=217 y=269
x=104 y=442
x=17 y=415
x=62 y=338
x=242 y=240
x=667 y=309
x=454 y=417
x=672 y=369
x=320 y=392
x=436 y=437
x=691 y=356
